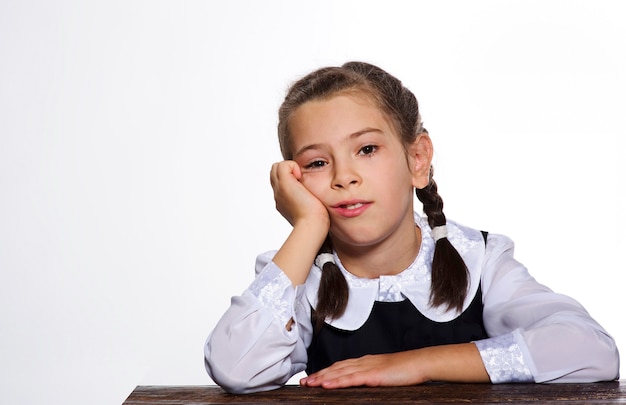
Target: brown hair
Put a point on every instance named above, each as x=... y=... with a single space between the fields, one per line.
x=449 y=272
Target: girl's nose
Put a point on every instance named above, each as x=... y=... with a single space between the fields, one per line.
x=344 y=176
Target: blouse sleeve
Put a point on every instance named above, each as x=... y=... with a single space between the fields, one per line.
x=250 y=348
x=537 y=334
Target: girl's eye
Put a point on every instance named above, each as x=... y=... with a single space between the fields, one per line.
x=367 y=150
x=316 y=164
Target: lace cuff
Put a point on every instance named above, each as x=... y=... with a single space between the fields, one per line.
x=274 y=290
x=504 y=359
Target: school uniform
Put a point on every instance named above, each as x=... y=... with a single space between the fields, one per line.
x=524 y=331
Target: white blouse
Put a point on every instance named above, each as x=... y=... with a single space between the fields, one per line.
x=536 y=335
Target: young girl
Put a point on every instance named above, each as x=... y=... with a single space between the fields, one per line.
x=366 y=292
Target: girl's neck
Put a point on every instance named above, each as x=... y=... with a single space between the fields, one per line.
x=385 y=259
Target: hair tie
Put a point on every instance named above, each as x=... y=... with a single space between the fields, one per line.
x=324 y=258
x=439 y=232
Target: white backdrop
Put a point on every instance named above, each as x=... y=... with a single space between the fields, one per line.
x=136 y=139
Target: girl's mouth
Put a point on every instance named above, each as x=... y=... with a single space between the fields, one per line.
x=351 y=209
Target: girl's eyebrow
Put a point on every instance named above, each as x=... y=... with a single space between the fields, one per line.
x=354 y=135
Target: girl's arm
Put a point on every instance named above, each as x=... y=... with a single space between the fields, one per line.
x=538 y=335
x=250 y=349
x=261 y=340
x=455 y=363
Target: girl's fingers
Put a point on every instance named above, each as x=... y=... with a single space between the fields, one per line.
x=293 y=200
x=284 y=170
x=332 y=376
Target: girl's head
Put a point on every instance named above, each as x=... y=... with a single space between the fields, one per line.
x=385 y=91
x=399 y=107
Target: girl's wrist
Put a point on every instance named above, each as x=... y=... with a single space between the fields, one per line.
x=298 y=253
x=314 y=225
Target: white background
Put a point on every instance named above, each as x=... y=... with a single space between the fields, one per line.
x=136 y=139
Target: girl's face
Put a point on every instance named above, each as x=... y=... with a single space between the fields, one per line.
x=353 y=161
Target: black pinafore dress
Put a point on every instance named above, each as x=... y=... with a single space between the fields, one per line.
x=394 y=327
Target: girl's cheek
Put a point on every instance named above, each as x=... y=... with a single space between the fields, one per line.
x=314 y=184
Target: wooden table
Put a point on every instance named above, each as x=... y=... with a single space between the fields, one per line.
x=598 y=393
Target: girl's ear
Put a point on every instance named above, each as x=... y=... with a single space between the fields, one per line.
x=420 y=158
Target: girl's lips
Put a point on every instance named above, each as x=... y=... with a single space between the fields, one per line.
x=351 y=209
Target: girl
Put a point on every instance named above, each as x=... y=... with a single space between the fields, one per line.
x=366 y=292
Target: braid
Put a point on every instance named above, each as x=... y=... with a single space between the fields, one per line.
x=449 y=277
x=332 y=294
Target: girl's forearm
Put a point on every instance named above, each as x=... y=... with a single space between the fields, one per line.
x=453 y=363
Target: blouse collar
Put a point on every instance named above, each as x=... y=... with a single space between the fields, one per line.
x=413 y=283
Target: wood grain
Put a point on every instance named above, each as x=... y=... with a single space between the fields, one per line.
x=596 y=393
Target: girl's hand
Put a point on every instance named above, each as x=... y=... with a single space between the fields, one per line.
x=308 y=216
x=293 y=200
x=376 y=370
